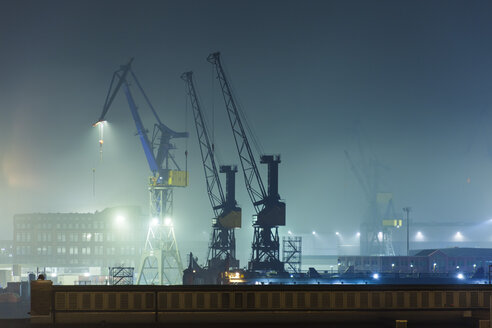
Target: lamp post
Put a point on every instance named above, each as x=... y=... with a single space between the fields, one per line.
x=407 y=210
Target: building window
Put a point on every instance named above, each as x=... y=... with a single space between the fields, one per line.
x=98 y=250
x=86 y=236
x=98 y=236
x=74 y=236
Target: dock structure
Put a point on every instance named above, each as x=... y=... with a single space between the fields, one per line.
x=90 y=306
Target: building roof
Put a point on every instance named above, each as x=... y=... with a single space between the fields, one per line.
x=456 y=252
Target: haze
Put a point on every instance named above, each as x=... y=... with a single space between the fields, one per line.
x=413 y=79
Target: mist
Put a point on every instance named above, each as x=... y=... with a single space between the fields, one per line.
x=406 y=77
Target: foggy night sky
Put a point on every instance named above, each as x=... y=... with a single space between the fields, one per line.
x=416 y=77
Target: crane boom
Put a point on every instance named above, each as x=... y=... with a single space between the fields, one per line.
x=254 y=184
x=158 y=162
x=214 y=187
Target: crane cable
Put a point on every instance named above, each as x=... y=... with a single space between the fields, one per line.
x=186 y=130
x=256 y=143
x=213 y=109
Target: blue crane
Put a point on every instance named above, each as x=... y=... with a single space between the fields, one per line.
x=270 y=211
x=159 y=162
x=161 y=250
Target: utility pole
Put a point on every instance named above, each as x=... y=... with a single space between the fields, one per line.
x=407 y=210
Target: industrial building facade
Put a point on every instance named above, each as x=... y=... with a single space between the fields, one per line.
x=444 y=260
x=112 y=237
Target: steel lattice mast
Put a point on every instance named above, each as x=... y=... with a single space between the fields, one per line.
x=270 y=211
x=161 y=261
x=222 y=250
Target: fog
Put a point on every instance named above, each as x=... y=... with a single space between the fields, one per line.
x=413 y=79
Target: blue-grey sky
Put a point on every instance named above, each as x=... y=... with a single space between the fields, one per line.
x=414 y=76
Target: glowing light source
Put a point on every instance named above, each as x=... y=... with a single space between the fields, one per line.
x=87 y=274
x=154 y=222
x=337 y=233
x=458 y=236
x=380 y=236
x=375 y=276
x=289 y=232
x=314 y=232
x=168 y=222
x=99 y=123
x=419 y=236
x=460 y=276
x=120 y=219
x=358 y=234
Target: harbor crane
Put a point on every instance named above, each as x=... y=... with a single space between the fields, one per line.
x=270 y=211
x=161 y=262
x=227 y=215
x=376 y=231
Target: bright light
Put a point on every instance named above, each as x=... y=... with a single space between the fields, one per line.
x=289 y=232
x=89 y=236
x=120 y=219
x=102 y=123
x=314 y=232
x=154 y=222
x=358 y=234
x=375 y=276
x=419 y=236
x=411 y=265
x=457 y=267
x=168 y=222
x=380 y=236
x=392 y=265
x=337 y=233
x=87 y=274
x=460 y=276
x=458 y=236
x=53 y=274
